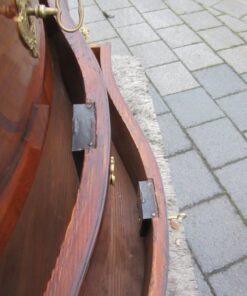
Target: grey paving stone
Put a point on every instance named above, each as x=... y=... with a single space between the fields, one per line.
x=162 y=18
x=171 y=78
x=87 y=2
x=244 y=18
x=214 y=11
x=91 y=14
x=125 y=16
x=153 y=54
x=233 y=23
x=147 y=5
x=183 y=6
x=201 y=20
x=234 y=8
x=220 y=80
x=233 y=177
x=244 y=76
x=191 y=178
x=220 y=38
x=203 y=288
x=174 y=138
x=137 y=34
x=243 y=35
x=197 y=56
x=207 y=3
x=179 y=36
x=216 y=234
x=109 y=4
x=232 y=281
x=193 y=107
x=219 y=142
x=236 y=57
x=159 y=105
x=100 y=31
x=74 y=3
x=235 y=107
x=117 y=46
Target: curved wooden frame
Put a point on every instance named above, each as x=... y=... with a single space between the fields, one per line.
x=159 y=262
x=81 y=234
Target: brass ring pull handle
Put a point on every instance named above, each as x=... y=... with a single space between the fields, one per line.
x=41 y=11
x=26 y=25
x=80 y=13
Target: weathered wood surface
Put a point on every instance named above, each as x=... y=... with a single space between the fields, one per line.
x=141 y=165
x=77 y=247
x=117 y=266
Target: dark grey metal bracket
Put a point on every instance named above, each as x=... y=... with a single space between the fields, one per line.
x=83 y=127
x=148 y=205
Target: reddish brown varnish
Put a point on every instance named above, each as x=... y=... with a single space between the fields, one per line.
x=24 y=109
x=53 y=239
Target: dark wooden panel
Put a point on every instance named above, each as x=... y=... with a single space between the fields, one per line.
x=117 y=266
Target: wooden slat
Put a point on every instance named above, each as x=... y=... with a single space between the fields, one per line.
x=117 y=266
x=134 y=149
x=82 y=231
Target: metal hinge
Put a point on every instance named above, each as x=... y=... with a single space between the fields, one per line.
x=148 y=205
x=83 y=127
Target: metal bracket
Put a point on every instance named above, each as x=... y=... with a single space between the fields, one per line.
x=148 y=200
x=83 y=127
x=148 y=206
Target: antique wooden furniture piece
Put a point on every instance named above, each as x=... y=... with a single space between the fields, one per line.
x=82 y=208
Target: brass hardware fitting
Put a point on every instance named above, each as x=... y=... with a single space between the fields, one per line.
x=178 y=216
x=85 y=32
x=42 y=11
x=80 y=13
x=112 y=170
x=27 y=27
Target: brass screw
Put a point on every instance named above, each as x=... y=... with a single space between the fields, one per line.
x=112 y=170
x=178 y=216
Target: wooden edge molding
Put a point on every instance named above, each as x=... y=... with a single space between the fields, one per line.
x=81 y=234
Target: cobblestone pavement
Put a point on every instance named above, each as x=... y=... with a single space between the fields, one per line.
x=195 y=56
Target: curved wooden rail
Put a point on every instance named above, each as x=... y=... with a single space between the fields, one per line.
x=81 y=234
x=139 y=152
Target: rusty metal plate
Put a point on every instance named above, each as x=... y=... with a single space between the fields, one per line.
x=148 y=203
x=83 y=127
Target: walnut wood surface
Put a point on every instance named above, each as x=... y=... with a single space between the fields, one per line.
x=117 y=266
x=130 y=141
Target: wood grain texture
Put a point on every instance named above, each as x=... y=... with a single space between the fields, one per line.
x=21 y=81
x=129 y=144
x=117 y=266
x=81 y=234
x=22 y=96
x=30 y=254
